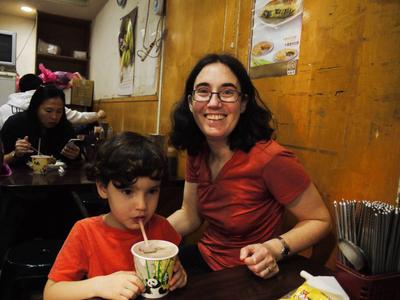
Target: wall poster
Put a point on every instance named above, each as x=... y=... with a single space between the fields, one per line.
x=275 y=43
x=126 y=44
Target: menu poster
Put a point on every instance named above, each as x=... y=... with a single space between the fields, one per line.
x=126 y=46
x=275 y=43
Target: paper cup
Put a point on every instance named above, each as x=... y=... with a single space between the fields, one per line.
x=155 y=269
x=40 y=163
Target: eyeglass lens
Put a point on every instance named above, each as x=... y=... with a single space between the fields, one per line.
x=225 y=95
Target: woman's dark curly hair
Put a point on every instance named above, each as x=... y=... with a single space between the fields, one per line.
x=125 y=157
x=253 y=124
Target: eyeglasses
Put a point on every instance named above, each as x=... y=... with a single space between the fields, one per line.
x=228 y=95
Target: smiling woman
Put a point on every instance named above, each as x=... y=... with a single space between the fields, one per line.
x=45 y=121
x=238 y=178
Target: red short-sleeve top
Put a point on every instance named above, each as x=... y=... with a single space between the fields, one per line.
x=245 y=203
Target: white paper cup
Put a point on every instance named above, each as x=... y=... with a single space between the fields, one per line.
x=40 y=163
x=155 y=269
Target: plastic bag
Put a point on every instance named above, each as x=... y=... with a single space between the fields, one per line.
x=60 y=79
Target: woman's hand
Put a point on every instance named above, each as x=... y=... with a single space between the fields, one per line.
x=179 y=277
x=22 y=147
x=120 y=285
x=260 y=260
x=70 y=151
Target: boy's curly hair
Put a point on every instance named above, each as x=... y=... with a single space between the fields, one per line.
x=125 y=157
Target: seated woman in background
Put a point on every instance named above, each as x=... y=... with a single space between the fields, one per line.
x=238 y=178
x=45 y=121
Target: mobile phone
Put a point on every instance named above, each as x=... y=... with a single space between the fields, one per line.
x=75 y=141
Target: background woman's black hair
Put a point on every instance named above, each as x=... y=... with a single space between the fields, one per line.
x=254 y=122
x=125 y=157
x=42 y=94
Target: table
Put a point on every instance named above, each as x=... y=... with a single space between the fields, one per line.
x=40 y=206
x=239 y=283
x=23 y=178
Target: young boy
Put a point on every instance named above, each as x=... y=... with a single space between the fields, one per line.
x=95 y=260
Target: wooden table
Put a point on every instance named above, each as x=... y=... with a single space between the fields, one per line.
x=23 y=178
x=40 y=206
x=240 y=284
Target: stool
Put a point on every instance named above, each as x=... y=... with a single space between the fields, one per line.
x=26 y=267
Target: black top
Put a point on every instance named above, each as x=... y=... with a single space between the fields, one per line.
x=52 y=142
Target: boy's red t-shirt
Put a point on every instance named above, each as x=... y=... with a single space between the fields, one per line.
x=92 y=248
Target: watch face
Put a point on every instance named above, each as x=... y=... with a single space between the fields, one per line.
x=121 y=2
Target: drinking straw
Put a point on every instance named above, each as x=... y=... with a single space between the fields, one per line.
x=146 y=241
x=38 y=149
x=147 y=247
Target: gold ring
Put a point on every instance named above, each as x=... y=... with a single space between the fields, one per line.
x=268 y=269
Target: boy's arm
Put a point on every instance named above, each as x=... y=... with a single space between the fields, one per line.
x=119 y=285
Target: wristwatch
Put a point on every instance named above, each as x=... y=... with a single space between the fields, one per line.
x=285 y=251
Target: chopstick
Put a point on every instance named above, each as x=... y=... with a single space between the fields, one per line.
x=374 y=226
x=36 y=150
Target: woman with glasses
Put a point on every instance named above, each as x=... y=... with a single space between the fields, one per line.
x=238 y=179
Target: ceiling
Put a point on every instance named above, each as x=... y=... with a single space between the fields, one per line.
x=81 y=9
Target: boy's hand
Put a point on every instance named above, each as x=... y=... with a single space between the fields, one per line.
x=120 y=285
x=179 y=277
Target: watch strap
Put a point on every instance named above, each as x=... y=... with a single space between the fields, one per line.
x=285 y=247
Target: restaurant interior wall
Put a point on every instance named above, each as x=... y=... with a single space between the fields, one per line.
x=105 y=69
x=26 y=40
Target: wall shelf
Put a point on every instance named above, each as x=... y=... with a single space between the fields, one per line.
x=69 y=35
x=61 y=57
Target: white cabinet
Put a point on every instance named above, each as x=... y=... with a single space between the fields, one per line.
x=7 y=86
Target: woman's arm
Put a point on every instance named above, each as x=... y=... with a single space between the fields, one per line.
x=15 y=138
x=187 y=219
x=314 y=222
x=22 y=147
x=119 y=285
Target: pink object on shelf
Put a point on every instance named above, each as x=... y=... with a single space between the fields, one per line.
x=61 y=79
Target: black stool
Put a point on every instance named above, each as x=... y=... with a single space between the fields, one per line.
x=26 y=267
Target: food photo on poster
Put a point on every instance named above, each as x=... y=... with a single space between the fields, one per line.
x=275 y=43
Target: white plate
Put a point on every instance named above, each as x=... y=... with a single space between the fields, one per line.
x=58 y=164
x=262 y=52
x=275 y=22
x=280 y=56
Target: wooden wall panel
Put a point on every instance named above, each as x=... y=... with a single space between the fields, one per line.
x=138 y=116
x=194 y=29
